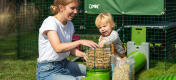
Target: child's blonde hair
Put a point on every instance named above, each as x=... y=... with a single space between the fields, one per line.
x=54 y=7
x=103 y=19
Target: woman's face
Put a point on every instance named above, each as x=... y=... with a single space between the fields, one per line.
x=70 y=10
x=105 y=29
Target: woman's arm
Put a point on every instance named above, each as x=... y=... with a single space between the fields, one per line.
x=63 y=47
x=78 y=53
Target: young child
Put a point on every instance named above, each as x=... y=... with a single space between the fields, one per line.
x=105 y=24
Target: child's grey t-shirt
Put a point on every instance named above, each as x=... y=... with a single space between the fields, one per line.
x=65 y=32
x=115 y=39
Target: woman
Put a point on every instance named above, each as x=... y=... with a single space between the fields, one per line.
x=55 y=44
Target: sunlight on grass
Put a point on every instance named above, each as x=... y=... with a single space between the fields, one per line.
x=155 y=71
x=18 y=70
x=9 y=56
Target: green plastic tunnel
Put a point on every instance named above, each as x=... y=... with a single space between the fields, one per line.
x=139 y=58
x=165 y=77
x=97 y=76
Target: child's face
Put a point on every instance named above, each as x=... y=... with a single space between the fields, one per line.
x=105 y=29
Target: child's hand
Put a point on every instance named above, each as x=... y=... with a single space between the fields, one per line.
x=124 y=58
x=102 y=43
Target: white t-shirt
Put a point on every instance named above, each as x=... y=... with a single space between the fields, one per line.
x=65 y=32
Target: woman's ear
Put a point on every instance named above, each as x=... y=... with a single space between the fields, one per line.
x=61 y=8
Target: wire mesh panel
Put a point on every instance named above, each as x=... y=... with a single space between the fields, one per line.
x=171 y=43
x=28 y=19
x=8 y=29
x=99 y=58
x=171 y=32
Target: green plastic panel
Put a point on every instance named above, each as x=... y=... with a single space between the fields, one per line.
x=138 y=35
x=97 y=76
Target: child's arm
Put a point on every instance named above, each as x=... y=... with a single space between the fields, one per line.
x=123 y=56
x=112 y=37
x=108 y=39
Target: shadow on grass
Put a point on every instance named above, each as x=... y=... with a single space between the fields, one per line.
x=8 y=48
x=9 y=55
x=12 y=55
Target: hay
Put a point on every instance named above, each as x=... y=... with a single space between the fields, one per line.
x=98 y=58
x=121 y=72
x=123 y=69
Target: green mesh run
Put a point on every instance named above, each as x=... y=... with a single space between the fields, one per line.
x=160 y=29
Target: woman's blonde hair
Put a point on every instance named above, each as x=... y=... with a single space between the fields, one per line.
x=104 y=18
x=54 y=7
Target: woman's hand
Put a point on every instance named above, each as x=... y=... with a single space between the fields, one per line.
x=84 y=56
x=89 y=43
x=79 y=53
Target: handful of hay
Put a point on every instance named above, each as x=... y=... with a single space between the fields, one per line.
x=98 y=58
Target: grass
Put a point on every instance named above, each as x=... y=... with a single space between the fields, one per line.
x=18 y=70
x=12 y=68
x=24 y=68
x=156 y=71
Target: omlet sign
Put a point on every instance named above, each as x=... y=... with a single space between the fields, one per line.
x=94 y=6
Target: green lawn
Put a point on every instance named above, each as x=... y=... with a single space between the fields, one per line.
x=17 y=69
x=156 y=71
x=24 y=68
x=12 y=68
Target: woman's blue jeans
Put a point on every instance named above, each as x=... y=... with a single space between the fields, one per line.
x=60 y=70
